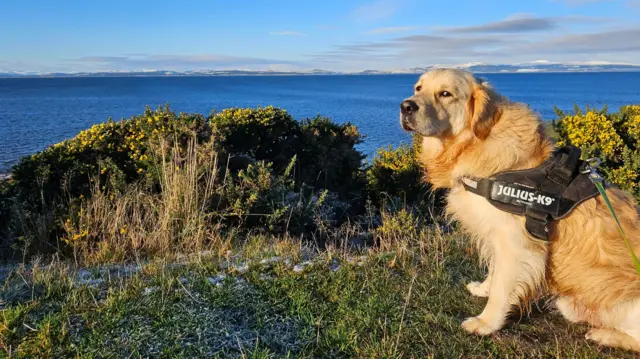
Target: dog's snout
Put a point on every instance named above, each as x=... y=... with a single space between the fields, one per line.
x=408 y=107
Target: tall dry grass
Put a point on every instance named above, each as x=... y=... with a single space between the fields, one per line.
x=177 y=215
x=141 y=221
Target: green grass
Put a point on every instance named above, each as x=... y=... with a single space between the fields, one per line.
x=373 y=305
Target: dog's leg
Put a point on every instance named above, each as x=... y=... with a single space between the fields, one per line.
x=621 y=327
x=569 y=310
x=486 y=250
x=517 y=269
x=613 y=338
x=480 y=289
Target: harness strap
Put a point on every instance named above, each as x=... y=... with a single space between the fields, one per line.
x=536 y=220
x=541 y=200
x=560 y=175
x=481 y=187
x=536 y=223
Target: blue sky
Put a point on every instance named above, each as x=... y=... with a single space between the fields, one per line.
x=63 y=35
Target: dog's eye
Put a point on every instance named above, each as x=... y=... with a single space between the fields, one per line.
x=418 y=88
x=445 y=94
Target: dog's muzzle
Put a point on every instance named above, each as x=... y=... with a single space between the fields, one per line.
x=408 y=110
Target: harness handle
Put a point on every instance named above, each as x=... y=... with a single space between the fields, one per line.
x=564 y=168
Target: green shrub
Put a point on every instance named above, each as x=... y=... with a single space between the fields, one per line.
x=112 y=153
x=270 y=170
x=116 y=152
x=257 y=198
x=612 y=137
x=5 y=212
x=193 y=210
x=262 y=134
x=325 y=151
x=397 y=175
x=328 y=157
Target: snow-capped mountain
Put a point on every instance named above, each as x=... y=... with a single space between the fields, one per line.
x=476 y=67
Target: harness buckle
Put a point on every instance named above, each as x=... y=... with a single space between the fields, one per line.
x=590 y=165
x=589 y=168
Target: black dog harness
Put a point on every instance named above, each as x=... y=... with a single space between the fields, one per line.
x=546 y=193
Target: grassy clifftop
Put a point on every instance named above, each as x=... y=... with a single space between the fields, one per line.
x=272 y=298
x=248 y=233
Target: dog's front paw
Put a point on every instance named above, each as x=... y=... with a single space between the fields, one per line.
x=478 y=289
x=612 y=338
x=478 y=326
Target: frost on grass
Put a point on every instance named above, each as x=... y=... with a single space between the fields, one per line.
x=300 y=267
x=217 y=280
x=220 y=316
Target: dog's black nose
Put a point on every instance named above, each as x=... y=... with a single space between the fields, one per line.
x=408 y=107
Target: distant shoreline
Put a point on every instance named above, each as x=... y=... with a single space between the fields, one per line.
x=156 y=74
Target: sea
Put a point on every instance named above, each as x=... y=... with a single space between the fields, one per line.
x=38 y=112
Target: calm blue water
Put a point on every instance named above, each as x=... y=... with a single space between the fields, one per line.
x=37 y=112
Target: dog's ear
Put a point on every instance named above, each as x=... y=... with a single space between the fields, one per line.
x=481 y=109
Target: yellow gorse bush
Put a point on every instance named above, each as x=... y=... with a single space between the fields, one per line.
x=397 y=174
x=400 y=225
x=106 y=160
x=612 y=137
x=399 y=160
x=623 y=177
x=125 y=142
x=593 y=129
x=632 y=125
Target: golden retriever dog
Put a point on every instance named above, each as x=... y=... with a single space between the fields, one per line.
x=468 y=129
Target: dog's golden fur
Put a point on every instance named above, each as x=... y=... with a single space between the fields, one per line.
x=470 y=130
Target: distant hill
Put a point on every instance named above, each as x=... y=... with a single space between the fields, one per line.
x=538 y=66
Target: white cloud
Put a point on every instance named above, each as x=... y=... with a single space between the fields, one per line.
x=378 y=10
x=174 y=62
x=634 y=4
x=390 y=30
x=518 y=38
x=524 y=23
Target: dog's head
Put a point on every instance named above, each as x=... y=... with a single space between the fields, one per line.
x=446 y=102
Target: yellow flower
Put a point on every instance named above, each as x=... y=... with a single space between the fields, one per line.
x=79 y=235
x=123 y=230
x=593 y=129
x=140 y=170
x=67 y=225
x=624 y=177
